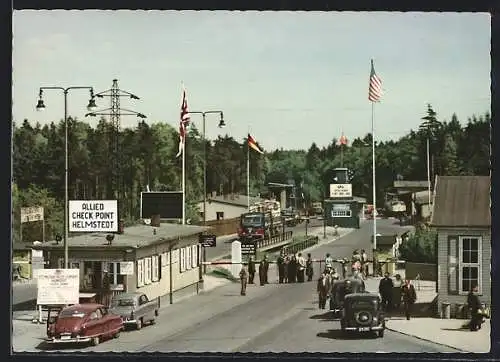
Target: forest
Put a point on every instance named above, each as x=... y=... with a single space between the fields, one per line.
x=148 y=158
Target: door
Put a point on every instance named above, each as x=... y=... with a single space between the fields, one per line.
x=95 y=326
x=147 y=307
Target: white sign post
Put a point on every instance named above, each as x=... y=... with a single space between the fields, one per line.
x=236 y=258
x=93 y=216
x=58 y=286
x=340 y=190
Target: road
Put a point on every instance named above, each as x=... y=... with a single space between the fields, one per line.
x=271 y=318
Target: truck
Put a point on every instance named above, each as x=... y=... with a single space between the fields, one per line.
x=263 y=220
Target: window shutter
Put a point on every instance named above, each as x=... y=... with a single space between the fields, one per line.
x=453 y=270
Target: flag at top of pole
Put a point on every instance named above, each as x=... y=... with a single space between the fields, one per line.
x=343 y=140
x=252 y=143
x=375 y=88
x=184 y=122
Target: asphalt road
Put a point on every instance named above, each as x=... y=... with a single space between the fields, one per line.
x=272 y=318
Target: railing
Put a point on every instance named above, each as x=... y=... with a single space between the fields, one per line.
x=301 y=245
x=262 y=243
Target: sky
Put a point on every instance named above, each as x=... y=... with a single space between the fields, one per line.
x=288 y=78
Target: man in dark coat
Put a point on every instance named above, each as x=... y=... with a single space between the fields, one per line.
x=474 y=306
x=251 y=270
x=323 y=289
x=243 y=280
x=266 y=269
x=292 y=270
x=385 y=290
x=309 y=268
x=285 y=269
x=281 y=268
x=409 y=297
x=262 y=273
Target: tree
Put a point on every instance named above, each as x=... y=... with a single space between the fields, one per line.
x=420 y=247
x=449 y=157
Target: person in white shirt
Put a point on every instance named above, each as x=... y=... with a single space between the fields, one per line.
x=323 y=289
x=301 y=268
x=328 y=261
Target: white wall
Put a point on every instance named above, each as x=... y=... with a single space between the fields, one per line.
x=230 y=211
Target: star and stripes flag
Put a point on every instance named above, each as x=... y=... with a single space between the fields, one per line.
x=184 y=122
x=252 y=143
x=375 y=88
x=343 y=140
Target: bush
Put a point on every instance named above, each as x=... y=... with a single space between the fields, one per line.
x=420 y=247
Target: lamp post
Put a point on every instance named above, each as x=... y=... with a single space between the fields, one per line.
x=221 y=124
x=40 y=107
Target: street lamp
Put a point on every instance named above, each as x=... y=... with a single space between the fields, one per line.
x=222 y=124
x=40 y=106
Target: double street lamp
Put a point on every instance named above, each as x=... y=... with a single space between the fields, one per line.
x=221 y=125
x=91 y=107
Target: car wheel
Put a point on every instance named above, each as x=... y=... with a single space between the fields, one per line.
x=152 y=321
x=157 y=312
x=138 y=324
x=95 y=341
x=116 y=335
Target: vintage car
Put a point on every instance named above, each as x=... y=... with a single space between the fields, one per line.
x=135 y=308
x=82 y=323
x=340 y=289
x=362 y=312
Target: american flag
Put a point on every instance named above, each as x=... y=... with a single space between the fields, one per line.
x=184 y=122
x=343 y=140
x=375 y=89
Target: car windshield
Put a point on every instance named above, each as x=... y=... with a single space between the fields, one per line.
x=123 y=303
x=72 y=314
x=252 y=220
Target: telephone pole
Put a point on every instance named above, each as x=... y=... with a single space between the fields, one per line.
x=116 y=187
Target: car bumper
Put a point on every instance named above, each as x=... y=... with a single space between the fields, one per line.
x=69 y=340
x=129 y=322
x=365 y=329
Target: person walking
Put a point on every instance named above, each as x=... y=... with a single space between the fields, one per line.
x=301 y=268
x=309 y=268
x=396 y=291
x=262 y=272
x=474 y=305
x=285 y=269
x=292 y=270
x=281 y=268
x=266 y=269
x=385 y=290
x=364 y=263
x=251 y=270
x=409 y=297
x=243 y=280
x=323 y=288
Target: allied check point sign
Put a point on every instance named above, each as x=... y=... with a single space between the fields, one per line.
x=93 y=216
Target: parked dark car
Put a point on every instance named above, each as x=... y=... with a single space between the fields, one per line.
x=82 y=323
x=340 y=289
x=363 y=313
x=135 y=308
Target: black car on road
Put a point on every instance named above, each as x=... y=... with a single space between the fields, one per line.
x=363 y=313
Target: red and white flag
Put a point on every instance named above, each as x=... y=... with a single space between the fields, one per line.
x=184 y=122
x=375 y=88
x=252 y=143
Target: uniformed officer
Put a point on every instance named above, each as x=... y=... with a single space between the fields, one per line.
x=266 y=269
x=262 y=272
x=281 y=268
x=251 y=270
x=243 y=280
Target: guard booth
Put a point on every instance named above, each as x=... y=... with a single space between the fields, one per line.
x=341 y=209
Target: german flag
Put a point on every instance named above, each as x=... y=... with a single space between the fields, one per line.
x=252 y=143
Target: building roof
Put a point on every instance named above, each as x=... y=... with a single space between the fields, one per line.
x=133 y=237
x=361 y=200
x=410 y=184
x=462 y=201
x=235 y=200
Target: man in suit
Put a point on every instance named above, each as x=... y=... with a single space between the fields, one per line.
x=409 y=297
x=251 y=270
x=474 y=305
x=385 y=290
x=281 y=268
x=323 y=289
x=243 y=280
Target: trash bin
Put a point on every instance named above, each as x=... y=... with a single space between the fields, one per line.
x=459 y=311
x=445 y=310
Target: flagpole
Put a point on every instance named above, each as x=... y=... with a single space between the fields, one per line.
x=341 y=155
x=428 y=171
x=248 y=175
x=374 y=196
x=184 y=180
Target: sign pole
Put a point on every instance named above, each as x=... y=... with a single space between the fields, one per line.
x=43 y=230
x=21 y=231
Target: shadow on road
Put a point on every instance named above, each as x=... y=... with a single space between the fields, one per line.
x=338 y=334
x=456 y=329
x=325 y=315
x=27 y=305
x=44 y=346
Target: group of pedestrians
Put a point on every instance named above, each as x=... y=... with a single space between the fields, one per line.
x=294 y=268
x=394 y=292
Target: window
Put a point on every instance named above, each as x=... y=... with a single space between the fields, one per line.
x=155 y=275
x=341 y=210
x=469 y=263
x=220 y=215
x=188 y=258
x=140 y=273
x=182 y=259
x=115 y=278
x=147 y=271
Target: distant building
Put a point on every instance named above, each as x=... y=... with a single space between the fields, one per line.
x=462 y=218
x=223 y=207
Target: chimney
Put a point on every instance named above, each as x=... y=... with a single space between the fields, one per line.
x=155 y=221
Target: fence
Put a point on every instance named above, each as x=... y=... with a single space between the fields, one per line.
x=301 y=245
x=264 y=242
x=424 y=271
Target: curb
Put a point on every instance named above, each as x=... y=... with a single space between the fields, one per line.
x=428 y=340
